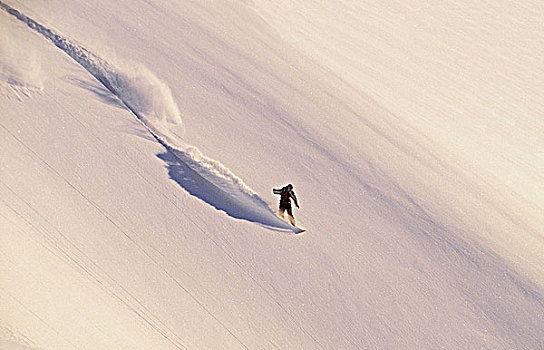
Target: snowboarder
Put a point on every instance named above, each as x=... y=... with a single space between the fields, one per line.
x=286 y=193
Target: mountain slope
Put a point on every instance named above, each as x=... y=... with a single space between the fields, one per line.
x=466 y=76
x=110 y=244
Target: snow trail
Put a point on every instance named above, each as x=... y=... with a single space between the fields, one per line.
x=151 y=101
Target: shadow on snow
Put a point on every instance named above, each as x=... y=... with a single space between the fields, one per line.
x=101 y=92
x=237 y=205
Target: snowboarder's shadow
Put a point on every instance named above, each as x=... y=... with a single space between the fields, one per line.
x=196 y=185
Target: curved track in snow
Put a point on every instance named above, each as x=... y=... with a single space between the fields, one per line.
x=151 y=102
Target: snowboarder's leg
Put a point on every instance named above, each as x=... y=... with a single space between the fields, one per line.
x=292 y=220
x=281 y=213
x=291 y=217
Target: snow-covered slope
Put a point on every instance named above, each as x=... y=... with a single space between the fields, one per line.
x=470 y=77
x=125 y=200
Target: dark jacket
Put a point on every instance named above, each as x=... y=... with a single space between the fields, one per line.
x=285 y=197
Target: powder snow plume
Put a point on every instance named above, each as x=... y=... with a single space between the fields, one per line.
x=20 y=70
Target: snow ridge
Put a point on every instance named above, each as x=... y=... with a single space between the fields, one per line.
x=151 y=101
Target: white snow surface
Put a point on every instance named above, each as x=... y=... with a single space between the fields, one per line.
x=140 y=142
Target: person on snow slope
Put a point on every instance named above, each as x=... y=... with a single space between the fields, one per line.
x=286 y=194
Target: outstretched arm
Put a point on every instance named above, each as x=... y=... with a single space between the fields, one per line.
x=294 y=198
x=276 y=191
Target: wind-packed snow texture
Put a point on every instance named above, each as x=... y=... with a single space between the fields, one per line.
x=468 y=76
x=410 y=131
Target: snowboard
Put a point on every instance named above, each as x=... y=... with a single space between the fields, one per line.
x=298 y=230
